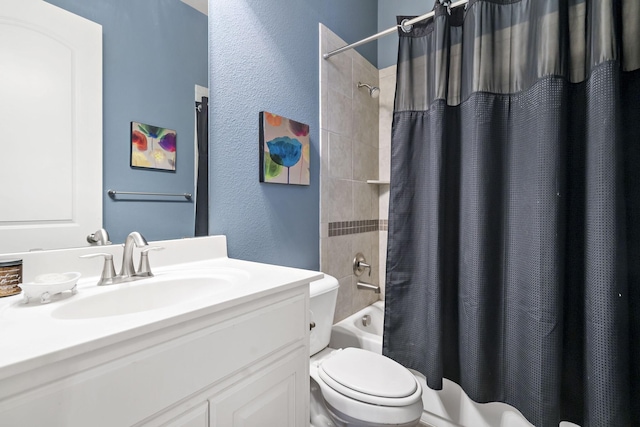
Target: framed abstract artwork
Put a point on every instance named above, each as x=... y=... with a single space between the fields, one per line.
x=284 y=150
x=153 y=147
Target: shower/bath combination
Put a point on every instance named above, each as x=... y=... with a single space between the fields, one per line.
x=374 y=91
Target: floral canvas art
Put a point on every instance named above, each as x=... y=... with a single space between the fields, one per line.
x=153 y=147
x=284 y=150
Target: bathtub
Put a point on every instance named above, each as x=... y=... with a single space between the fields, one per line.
x=449 y=407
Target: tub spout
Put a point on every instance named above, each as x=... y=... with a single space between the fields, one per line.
x=368 y=286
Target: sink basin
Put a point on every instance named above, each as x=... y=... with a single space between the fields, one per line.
x=147 y=294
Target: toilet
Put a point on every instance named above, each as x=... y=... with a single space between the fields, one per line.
x=351 y=386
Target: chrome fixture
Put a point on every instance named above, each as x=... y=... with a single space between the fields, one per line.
x=127 y=273
x=366 y=320
x=368 y=286
x=374 y=91
x=360 y=264
x=108 y=276
x=133 y=239
x=113 y=193
x=99 y=238
x=144 y=269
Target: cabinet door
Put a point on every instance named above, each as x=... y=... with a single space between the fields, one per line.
x=195 y=417
x=275 y=396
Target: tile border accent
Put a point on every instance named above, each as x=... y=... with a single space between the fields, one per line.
x=343 y=228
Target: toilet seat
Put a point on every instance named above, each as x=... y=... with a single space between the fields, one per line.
x=370 y=378
x=346 y=403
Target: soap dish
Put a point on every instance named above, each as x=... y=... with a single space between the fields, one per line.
x=47 y=285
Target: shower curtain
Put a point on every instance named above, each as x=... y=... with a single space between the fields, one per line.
x=513 y=261
x=202 y=181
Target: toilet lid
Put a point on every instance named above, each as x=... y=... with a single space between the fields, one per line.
x=368 y=373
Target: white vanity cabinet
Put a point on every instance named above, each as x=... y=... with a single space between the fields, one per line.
x=266 y=398
x=246 y=363
x=197 y=416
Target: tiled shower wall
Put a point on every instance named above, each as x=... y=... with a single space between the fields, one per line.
x=387 y=93
x=349 y=139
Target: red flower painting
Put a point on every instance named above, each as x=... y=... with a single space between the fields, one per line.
x=153 y=147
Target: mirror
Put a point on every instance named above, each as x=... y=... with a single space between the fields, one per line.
x=154 y=58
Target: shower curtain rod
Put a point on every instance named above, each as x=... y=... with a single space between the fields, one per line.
x=406 y=27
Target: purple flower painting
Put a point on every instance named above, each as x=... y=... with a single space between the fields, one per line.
x=284 y=150
x=153 y=147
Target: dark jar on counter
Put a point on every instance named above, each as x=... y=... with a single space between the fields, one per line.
x=10 y=277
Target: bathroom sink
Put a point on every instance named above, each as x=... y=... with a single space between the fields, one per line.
x=146 y=294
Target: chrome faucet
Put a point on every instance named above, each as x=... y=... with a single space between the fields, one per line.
x=368 y=286
x=133 y=239
x=127 y=273
x=359 y=267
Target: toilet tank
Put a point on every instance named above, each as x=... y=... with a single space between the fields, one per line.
x=322 y=304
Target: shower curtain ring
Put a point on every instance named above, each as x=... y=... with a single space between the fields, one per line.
x=406 y=27
x=447 y=4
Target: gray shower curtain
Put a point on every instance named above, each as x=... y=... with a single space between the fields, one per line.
x=513 y=263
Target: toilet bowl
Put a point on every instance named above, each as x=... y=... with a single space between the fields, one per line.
x=351 y=386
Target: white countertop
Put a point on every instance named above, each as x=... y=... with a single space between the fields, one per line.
x=30 y=337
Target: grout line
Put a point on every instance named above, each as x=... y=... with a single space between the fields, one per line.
x=343 y=228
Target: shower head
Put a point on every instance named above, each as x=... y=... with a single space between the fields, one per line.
x=374 y=91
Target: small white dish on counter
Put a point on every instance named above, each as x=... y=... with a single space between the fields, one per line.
x=46 y=285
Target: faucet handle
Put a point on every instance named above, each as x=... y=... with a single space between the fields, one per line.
x=144 y=269
x=364 y=265
x=360 y=265
x=108 y=271
x=100 y=237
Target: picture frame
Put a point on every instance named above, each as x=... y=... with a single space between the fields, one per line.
x=152 y=147
x=284 y=150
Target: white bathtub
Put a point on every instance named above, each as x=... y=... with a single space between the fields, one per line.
x=449 y=407
x=351 y=332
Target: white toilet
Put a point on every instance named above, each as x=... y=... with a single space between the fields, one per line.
x=351 y=386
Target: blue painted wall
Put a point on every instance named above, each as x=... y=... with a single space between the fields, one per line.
x=387 y=12
x=154 y=53
x=264 y=55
